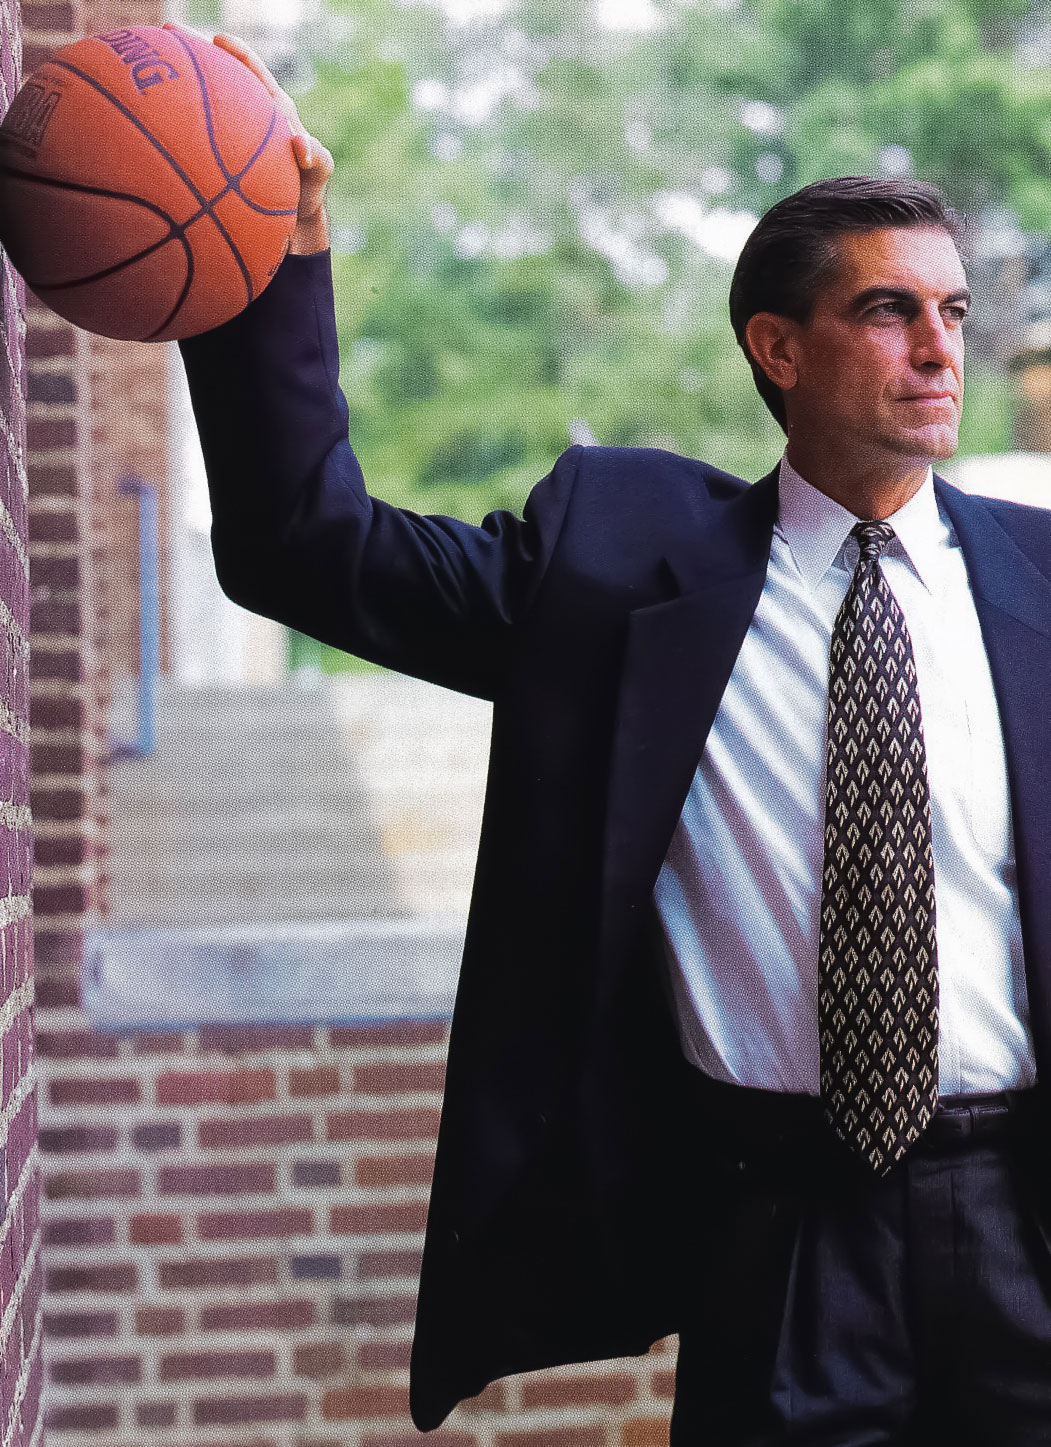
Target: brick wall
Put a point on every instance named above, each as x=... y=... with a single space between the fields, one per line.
x=233 y=1227
x=20 y=1269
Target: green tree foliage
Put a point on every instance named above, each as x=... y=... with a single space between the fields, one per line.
x=504 y=266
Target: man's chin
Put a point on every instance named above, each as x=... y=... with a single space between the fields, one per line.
x=931 y=443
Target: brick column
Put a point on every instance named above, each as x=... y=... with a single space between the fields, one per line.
x=20 y=1271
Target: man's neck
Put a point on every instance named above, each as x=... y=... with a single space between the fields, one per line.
x=868 y=491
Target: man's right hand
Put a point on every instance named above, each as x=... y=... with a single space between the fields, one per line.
x=314 y=160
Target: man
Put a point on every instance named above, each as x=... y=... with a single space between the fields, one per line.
x=754 y=998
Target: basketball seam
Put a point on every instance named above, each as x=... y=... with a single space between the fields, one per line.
x=175 y=233
x=205 y=204
x=176 y=229
x=232 y=176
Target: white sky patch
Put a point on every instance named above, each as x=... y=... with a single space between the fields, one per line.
x=637 y=15
x=762 y=119
x=718 y=232
x=609 y=14
x=475 y=102
x=633 y=263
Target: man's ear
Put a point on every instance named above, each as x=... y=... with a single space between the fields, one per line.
x=770 y=340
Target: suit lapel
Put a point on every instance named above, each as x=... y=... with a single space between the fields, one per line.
x=1013 y=600
x=678 y=658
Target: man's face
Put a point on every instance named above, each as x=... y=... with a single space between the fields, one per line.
x=879 y=366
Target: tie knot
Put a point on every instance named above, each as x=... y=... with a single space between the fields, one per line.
x=872 y=538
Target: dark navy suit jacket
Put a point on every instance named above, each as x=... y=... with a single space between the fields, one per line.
x=603 y=625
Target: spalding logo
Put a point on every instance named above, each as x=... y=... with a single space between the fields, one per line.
x=148 y=66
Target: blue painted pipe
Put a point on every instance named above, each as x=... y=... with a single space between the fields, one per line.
x=149 y=618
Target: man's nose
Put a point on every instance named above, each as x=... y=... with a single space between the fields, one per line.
x=932 y=343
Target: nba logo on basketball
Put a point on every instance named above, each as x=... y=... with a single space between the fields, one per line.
x=30 y=112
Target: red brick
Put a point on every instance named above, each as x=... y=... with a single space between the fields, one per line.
x=383 y=1355
x=322 y=1080
x=259 y=1316
x=46 y=434
x=180 y=1366
x=244 y=1225
x=375 y=1264
x=201 y=1087
x=68 y=1140
x=112 y=1276
x=399 y=1077
x=59 y=1324
x=318 y=1359
x=92 y=1185
x=233 y=1180
x=341 y=1404
x=114 y=1091
x=237 y=1039
x=233 y=1411
x=52 y=341
x=160 y=1320
x=645 y=1432
x=553 y=1437
x=58 y=805
x=242 y=1271
x=96 y=1371
x=50 y=16
x=434 y=1439
x=380 y=1218
x=61 y=898
x=611 y=1389
x=388 y=1032
x=50 y=615
x=402 y=1123
x=59 y=759
x=93 y=1231
x=148 y=1229
x=374 y=1311
x=98 y=1417
x=256 y=1131
x=157 y=1042
x=57 y=994
x=77 y=1045
x=387 y=1171
x=54 y=527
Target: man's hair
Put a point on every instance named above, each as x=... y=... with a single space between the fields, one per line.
x=792 y=252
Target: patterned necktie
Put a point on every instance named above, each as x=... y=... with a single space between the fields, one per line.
x=878 y=963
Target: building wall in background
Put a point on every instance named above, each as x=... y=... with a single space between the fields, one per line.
x=20 y=1266
x=234 y=1228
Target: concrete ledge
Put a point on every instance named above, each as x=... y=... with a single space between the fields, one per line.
x=141 y=977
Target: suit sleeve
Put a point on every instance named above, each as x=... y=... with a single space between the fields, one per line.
x=297 y=537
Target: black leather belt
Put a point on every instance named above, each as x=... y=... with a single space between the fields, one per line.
x=962 y=1120
x=775 y=1122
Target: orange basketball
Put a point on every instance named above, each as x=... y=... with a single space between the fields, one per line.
x=148 y=187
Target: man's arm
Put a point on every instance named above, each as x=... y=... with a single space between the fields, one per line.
x=295 y=534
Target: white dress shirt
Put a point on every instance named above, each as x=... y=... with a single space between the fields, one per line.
x=739 y=894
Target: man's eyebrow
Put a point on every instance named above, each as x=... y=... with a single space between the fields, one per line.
x=895 y=293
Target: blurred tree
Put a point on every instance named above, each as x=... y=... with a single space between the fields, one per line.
x=525 y=209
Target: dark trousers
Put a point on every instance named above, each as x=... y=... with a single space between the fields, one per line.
x=849 y=1310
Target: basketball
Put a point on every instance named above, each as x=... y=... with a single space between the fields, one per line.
x=148 y=186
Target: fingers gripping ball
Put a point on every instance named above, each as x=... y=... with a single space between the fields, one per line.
x=148 y=185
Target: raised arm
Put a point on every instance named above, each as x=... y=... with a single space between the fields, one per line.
x=295 y=534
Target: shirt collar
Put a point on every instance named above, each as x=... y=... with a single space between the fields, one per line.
x=815 y=527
